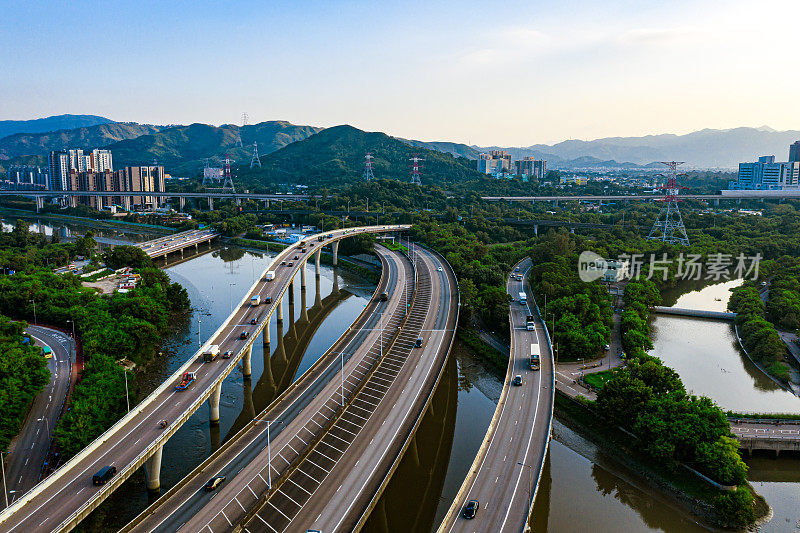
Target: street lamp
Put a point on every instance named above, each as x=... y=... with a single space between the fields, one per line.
x=71 y=340
x=127 y=397
x=3 y=468
x=269 y=455
x=230 y=300
x=530 y=485
x=34 y=310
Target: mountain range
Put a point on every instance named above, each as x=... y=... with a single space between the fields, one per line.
x=54 y=123
x=707 y=148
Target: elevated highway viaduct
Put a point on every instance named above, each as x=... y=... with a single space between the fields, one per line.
x=63 y=499
x=506 y=471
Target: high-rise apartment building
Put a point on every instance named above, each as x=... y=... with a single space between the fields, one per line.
x=26 y=178
x=62 y=162
x=496 y=162
x=529 y=167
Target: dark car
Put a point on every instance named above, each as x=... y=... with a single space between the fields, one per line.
x=283 y=263
x=517 y=381
x=384 y=297
x=214 y=482
x=104 y=474
x=290 y=264
x=471 y=509
x=268 y=300
x=516 y=269
x=243 y=335
x=418 y=343
x=296 y=257
x=253 y=321
x=227 y=355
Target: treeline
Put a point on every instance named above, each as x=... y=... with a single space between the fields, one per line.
x=582 y=311
x=23 y=373
x=111 y=327
x=639 y=297
x=759 y=336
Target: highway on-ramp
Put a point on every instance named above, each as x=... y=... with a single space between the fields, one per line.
x=32 y=444
x=505 y=473
x=68 y=495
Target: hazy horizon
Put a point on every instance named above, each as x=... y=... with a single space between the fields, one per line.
x=518 y=74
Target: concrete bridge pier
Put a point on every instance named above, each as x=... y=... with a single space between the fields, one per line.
x=181 y=203
x=99 y=203
x=210 y=204
x=555 y=203
x=39 y=203
x=316 y=258
x=335 y=247
x=152 y=470
x=716 y=201
x=292 y=328
x=318 y=295
x=279 y=311
x=213 y=403
x=265 y=337
x=536 y=229
x=303 y=276
x=238 y=201
x=290 y=291
x=126 y=203
x=246 y=370
x=335 y=289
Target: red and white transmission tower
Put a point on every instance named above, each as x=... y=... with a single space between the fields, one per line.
x=227 y=179
x=668 y=226
x=368 y=167
x=415 y=166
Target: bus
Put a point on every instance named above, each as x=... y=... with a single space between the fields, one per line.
x=535 y=357
x=523 y=298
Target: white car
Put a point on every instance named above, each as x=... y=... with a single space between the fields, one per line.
x=439 y=269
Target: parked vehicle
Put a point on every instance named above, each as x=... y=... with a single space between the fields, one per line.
x=186 y=380
x=211 y=353
x=103 y=475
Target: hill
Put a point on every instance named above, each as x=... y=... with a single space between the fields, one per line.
x=29 y=144
x=56 y=122
x=456 y=149
x=707 y=148
x=336 y=155
x=183 y=149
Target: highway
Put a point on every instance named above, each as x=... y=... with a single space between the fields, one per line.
x=32 y=444
x=518 y=433
x=188 y=499
x=60 y=501
x=341 y=476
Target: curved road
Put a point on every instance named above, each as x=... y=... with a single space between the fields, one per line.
x=519 y=433
x=188 y=500
x=68 y=495
x=30 y=448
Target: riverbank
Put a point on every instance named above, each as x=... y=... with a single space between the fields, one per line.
x=100 y=223
x=681 y=488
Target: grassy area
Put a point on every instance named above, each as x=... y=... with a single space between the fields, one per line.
x=698 y=496
x=97 y=275
x=496 y=361
x=596 y=380
x=395 y=246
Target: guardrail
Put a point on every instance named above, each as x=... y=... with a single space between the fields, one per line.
x=124 y=472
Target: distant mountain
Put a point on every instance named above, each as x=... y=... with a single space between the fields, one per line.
x=456 y=149
x=336 y=155
x=56 y=122
x=183 y=149
x=28 y=144
x=701 y=149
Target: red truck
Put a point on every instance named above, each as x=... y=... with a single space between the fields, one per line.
x=186 y=380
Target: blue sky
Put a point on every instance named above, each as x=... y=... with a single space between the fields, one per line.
x=517 y=73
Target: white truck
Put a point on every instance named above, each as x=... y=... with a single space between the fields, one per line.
x=523 y=298
x=255 y=301
x=269 y=276
x=211 y=353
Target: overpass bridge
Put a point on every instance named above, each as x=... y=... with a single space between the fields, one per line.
x=722 y=195
x=696 y=313
x=177 y=242
x=62 y=500
x=349 y=435
x=766 y=434
x=504 y=476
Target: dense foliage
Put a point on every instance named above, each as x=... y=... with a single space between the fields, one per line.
x=23 y=373
x=114 y=327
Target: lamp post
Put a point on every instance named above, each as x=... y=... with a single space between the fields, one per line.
x=269 y=455
x=3 y=468
x=230 y=298
x=127 y=398
x=34 y=311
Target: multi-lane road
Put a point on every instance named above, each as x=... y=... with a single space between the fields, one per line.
x=68 y=495
x=30 y=448
x=239 y=460
x=176 y=242
x=506 y=470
